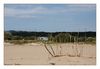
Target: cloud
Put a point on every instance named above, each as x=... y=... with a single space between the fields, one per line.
x=12 y=12
x=31 y=12
x=82 y=7
x=26 y=16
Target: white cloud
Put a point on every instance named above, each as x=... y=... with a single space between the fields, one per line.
x=26 y=12
x=82 y=7
x=32 y=12
x=25 y=16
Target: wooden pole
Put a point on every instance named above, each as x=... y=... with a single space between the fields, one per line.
x=52 y=50
x=48 y=50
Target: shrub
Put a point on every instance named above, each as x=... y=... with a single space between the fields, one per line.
x=91 y=40
x=7 y=36
x=62 y=37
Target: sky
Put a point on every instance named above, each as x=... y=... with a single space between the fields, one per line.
x=50 y=17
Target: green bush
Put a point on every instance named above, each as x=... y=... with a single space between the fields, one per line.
x=91 y=40
x=7 y=36
x=62 y=38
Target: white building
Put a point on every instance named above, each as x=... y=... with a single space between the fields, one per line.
x=43 y=38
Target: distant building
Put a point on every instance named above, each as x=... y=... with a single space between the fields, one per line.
x=43 y=38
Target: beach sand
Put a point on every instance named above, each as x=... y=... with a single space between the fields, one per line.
x=36 y=54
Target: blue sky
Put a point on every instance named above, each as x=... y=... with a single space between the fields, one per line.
x=50 y=17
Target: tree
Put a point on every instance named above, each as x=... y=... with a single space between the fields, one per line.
x=62 y=37
x=7 y=36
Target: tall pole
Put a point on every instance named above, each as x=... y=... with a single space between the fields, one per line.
x=85 y=34
x=47 y=49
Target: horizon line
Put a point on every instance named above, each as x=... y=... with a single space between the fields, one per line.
x=48 y=31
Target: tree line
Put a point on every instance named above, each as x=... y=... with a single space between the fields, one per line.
x=52 y=36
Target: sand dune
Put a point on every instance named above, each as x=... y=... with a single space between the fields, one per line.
x=36 y=54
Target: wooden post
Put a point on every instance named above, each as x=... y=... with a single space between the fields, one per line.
x=48 y=49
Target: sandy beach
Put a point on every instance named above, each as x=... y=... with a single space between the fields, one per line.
x=36 y=54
